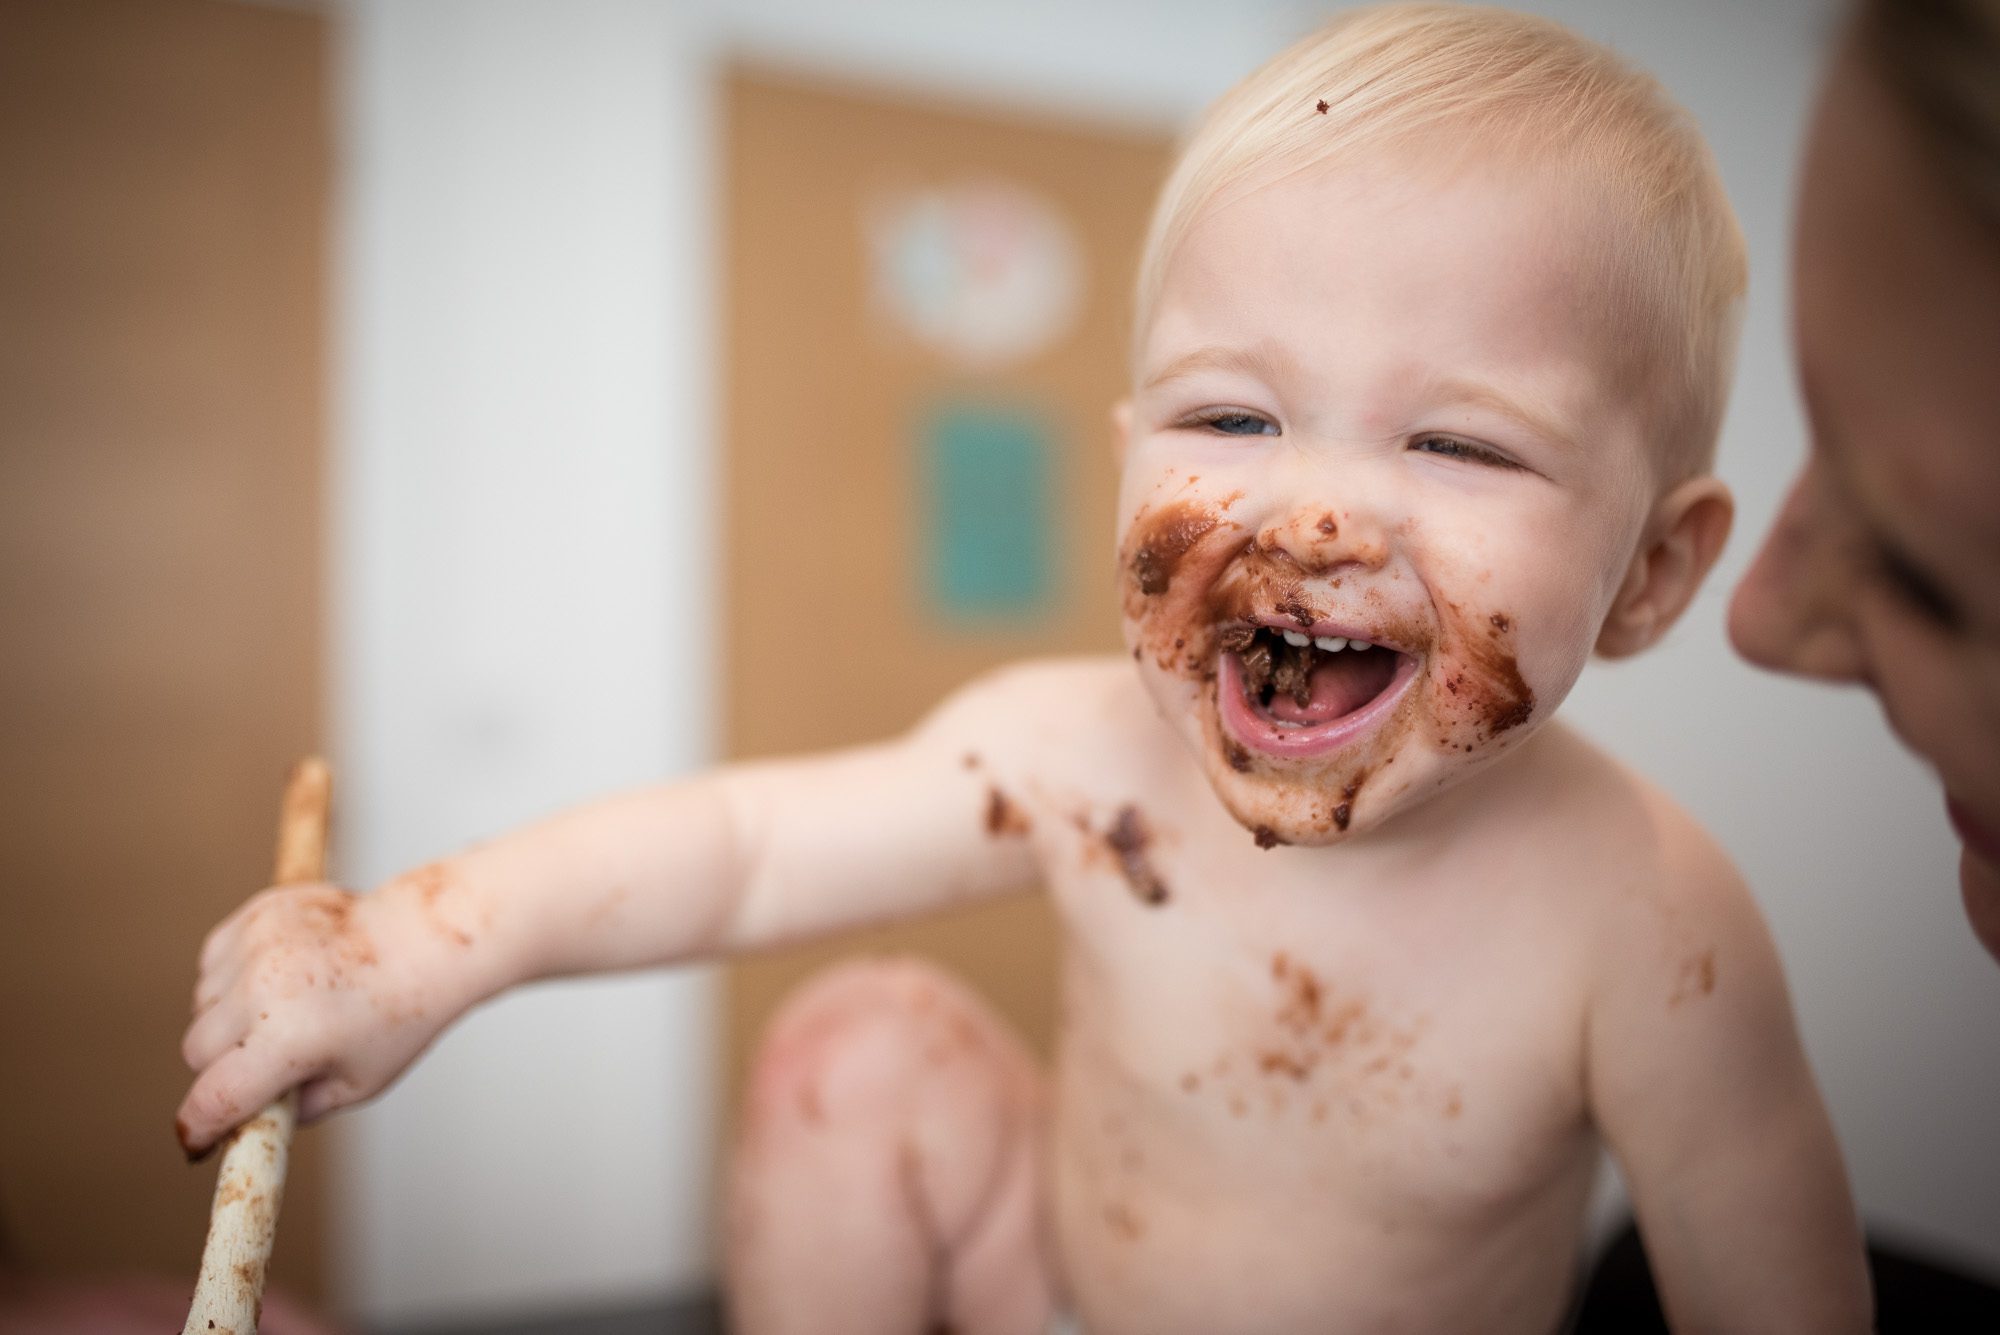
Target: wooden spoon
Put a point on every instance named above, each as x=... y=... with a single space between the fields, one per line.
x=243 y=1221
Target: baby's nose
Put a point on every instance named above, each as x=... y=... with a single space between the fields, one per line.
x=1321 y=538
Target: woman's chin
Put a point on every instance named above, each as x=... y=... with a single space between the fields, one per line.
x=1979 y=885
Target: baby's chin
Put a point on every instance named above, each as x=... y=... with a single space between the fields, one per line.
x=1274 y=818
x=1287 y=803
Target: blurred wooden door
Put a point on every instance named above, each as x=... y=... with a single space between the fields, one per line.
x=831 y=637
x=162 y=257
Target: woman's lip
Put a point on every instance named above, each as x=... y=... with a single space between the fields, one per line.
x=1976 y=837
x=1290 y=741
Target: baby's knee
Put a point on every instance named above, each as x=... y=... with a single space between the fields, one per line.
x=862 y=1043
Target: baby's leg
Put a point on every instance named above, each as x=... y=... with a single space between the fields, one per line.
x=888 y=1177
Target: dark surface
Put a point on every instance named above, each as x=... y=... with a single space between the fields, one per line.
x=698 y=1316
x=1912 y=1296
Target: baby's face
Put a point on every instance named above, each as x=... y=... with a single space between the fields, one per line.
x=1385 y=409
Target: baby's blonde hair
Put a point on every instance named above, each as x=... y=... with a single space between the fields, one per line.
x=1487 y=81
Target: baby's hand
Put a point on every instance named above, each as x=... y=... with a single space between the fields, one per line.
x=315 y=987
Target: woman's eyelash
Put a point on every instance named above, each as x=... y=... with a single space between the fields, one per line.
x=1451 y=447
x=1917 y=589
x=1230 y=422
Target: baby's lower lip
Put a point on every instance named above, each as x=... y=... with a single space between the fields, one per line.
x=1292 y=742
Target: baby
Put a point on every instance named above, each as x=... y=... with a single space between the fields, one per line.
x=1365 y=956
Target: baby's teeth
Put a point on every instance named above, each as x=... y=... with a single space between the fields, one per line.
x=1359 y=644
x=1333 y=644
x=1297 y=640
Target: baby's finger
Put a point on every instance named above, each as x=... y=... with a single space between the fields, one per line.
x=211 y=1033
x=212 y=986
x=328 y=1094
x=222 y=937
x=239 y=1083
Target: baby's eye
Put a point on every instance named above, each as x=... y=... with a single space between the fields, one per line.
x=1230 y=422
x=1451 y=447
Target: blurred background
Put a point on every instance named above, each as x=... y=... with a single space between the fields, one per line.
x=519 y=399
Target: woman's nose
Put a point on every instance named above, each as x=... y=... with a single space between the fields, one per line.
x=1793 y=610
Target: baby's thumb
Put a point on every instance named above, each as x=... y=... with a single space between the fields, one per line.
x=223 y=1097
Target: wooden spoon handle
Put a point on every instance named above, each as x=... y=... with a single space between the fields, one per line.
x=243 y=1221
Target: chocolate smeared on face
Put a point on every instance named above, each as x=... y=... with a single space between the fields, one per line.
x=1293 y=605
x=1163 y=540
x=1343 y=811
x=1210 y=602
x=1176 y=635
x=1487 y=686
x=1273 y=667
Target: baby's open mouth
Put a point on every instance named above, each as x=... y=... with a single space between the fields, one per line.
x=1287 y=691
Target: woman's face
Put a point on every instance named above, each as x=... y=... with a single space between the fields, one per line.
x=1884 y=566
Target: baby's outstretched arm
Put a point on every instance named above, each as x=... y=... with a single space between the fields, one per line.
x=1701 y=1089
x=336 y=993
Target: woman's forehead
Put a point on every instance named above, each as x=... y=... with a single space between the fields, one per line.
x=1898 y=328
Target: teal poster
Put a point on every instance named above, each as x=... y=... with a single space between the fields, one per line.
x=987 y=510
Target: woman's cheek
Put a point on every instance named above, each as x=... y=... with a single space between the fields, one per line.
x=1941 y=699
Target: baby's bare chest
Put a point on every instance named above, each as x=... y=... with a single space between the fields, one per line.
x=1339 y=1085
x=1310 y=1128
x=1375 y=1048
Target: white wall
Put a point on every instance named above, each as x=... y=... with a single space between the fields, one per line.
x=525 y=566
x=524 y=571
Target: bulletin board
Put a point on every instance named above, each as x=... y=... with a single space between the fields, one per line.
x=163 y=254
x=927 y=321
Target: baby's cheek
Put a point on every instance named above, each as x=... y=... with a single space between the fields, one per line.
x=1168 y=561
x=1478 y=692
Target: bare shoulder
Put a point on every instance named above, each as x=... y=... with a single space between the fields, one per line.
x=1670 y=914
x=1042 y=718
x=1644 y=844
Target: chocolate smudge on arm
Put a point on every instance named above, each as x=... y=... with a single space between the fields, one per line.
x=1129 y=839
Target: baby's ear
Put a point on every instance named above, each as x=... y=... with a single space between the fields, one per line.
x=1686 y=533
x=1121 y=429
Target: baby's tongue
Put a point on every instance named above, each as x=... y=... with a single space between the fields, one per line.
x=1341 y=684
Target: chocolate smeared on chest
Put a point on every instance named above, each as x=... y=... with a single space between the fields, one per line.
x=1003 y=818
x=1130 y=841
